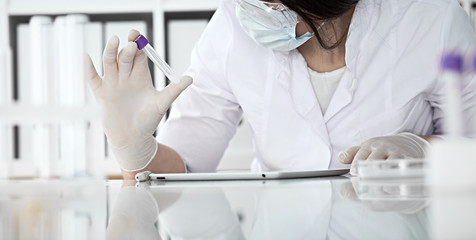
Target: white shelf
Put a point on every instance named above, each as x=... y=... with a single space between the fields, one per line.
x=190 y=5
x=34 y=7
x=31 y=7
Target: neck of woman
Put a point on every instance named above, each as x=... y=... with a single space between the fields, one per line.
x=318 y=58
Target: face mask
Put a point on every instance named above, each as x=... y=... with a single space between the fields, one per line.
x=271 y=25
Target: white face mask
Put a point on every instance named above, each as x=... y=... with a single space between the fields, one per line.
x=271 y=25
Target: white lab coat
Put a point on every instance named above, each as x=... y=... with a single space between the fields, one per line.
x=390 y=86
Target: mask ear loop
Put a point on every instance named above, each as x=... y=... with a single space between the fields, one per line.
x=252 y=7
x=300 y=19
x=317 y=29
x=320 y=25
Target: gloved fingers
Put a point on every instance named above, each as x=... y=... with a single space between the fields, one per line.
x=347 y=156
x=110 y=56
x=92 y=75
x=126 y=58
x=171 y=92
x=133 y=35
x=377 y=155
x=140 y=63
x=363 y=153
x=353 y=167
x=395 y=156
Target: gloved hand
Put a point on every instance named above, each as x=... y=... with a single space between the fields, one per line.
x=400 y=146
x=132 y=107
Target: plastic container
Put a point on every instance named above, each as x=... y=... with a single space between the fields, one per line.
x=391 y=189
x=394 y=168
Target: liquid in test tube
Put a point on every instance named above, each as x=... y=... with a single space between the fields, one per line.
x=143 y=44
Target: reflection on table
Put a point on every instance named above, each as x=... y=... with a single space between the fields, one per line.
x=52 y=209
x=312 y=208
x=290 y=209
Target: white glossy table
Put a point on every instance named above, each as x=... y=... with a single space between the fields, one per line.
x=315 y=208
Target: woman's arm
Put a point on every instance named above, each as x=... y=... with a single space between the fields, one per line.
x=166 y=160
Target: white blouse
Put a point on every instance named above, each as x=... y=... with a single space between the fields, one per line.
x=324 y=85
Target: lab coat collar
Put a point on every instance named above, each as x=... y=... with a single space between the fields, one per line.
x=305 y=99
x=292 y=64
x=294 y=76
x=343 y=95
x=363 y=22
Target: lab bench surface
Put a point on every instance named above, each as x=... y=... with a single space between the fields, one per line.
x=315 y=208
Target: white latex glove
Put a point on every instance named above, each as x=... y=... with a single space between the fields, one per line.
x=400 y=146
x=132 y=107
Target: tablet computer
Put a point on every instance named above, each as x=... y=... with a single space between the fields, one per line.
x=228 y=176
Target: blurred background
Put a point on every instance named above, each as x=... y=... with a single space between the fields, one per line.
x=48 y=123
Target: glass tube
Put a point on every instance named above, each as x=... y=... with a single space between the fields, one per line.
x=143 y=44
x=41 y=94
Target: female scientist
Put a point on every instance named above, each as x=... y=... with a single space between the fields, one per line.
x=322 y=84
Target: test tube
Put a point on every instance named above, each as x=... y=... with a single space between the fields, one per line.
x=473 y=74
x=73 y=146
x=5 y=150
x=452 y=69
x=5 y=98
x=474 y=64
x=143 y=44
x=5 y=129
x=76 y=159
x=41 y=92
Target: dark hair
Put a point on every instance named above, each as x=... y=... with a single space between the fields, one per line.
x=312 y=10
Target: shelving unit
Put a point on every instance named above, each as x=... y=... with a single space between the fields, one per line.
x=158 y=9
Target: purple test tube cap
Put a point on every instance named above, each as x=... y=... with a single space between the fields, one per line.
x=452 y=62
x=474 y=64
x=141 y=42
